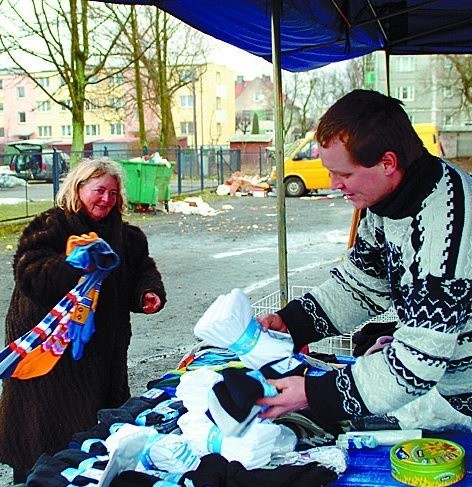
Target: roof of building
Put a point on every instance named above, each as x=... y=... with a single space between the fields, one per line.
x=247 y=138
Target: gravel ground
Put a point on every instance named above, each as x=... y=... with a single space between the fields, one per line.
x=201 y=257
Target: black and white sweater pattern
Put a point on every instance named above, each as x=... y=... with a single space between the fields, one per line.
x=413 y=252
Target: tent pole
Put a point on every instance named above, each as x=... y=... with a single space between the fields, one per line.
x=387 y=69
x=279 y=152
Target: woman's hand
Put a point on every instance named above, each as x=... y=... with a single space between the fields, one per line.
x=272 y=321
x=291 y=397
x=151 y=303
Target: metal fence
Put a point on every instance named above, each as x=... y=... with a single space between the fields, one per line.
x=39 y=174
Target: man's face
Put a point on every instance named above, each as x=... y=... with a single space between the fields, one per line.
x=363 y=186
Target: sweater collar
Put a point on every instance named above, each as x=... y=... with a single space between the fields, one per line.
x=419 y=181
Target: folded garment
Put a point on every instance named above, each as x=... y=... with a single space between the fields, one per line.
x=126 y=446
x=232 y=402
x=253 y=449
x=169 y=452
x=229 y=322
x=163 y=417
x=194 y=387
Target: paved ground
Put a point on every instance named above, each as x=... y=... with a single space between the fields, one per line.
x=201 y=257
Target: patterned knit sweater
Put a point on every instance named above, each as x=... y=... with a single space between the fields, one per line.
x=413 y=252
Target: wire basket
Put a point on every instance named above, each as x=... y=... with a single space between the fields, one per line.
x=338 y=345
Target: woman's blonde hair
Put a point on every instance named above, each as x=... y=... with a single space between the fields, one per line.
x=68 y=195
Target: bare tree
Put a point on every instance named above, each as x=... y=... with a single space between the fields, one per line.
x=171 y=55
x=137 y=78
x=243 y=122
x=58 y=34
x=312 y=92
x=459 y=74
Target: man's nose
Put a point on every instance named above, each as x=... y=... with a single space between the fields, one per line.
x=335 y=183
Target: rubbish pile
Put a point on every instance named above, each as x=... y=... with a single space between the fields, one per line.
x=238 y=184
x=193 y=205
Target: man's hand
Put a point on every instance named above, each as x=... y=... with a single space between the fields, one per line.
x=272 y=321
x=291 y=397
x=151 y=303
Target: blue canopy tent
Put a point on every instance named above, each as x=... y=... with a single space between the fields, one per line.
x=314 y=33
x=300 y=35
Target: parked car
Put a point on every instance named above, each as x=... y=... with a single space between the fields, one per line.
x=34 y=161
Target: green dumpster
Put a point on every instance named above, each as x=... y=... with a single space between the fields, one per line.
x=139 y=178
x=147 y=182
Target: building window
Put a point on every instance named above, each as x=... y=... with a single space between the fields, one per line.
x=218 y=103
x=218 y=78
x=90 y=105
x=43 y=106
x=448 y=120
x=44 y=131
x=269 y=114
x=186 y=101
x=21 y=117
x=117 y=79
x=66 y=130
x=66 y=102
x=448 y=92
x=406 y=93
x=20 y=91
x=1 y=84
x=117 y=102
x=186 y=128
x=2 y=131
x=92 y=129
x=219 y=129
x=258 y=96
x=117 y=129
x=44 y=82
x=406 y=63
x=1 y=107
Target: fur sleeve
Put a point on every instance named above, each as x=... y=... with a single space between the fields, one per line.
x=40 y=270
x=144 y=274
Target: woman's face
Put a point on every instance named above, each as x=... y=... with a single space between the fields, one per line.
x=98 y=195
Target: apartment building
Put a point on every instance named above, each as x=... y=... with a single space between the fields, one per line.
x=423 y=84
x=28 y=112
x=204 y=110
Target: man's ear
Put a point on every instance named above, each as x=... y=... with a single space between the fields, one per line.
x=390 y=163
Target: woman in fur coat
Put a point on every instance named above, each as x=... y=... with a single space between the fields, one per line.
x=39 y=415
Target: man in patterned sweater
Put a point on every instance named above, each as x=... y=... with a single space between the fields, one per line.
x=413 y=252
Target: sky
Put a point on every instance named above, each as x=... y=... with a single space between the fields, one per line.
x=241 y=62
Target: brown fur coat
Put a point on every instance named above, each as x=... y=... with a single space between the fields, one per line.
x=41 y=414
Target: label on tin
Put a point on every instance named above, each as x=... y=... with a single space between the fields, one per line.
x=428 y=462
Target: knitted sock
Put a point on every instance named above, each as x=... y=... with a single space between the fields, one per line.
x=164 y=414
x=114 y=415
x=47 y=471
x=293 y=365
x=232 y=401
x=311 y=474
x=130 y=478
x=148 y=400
x=99 y=431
